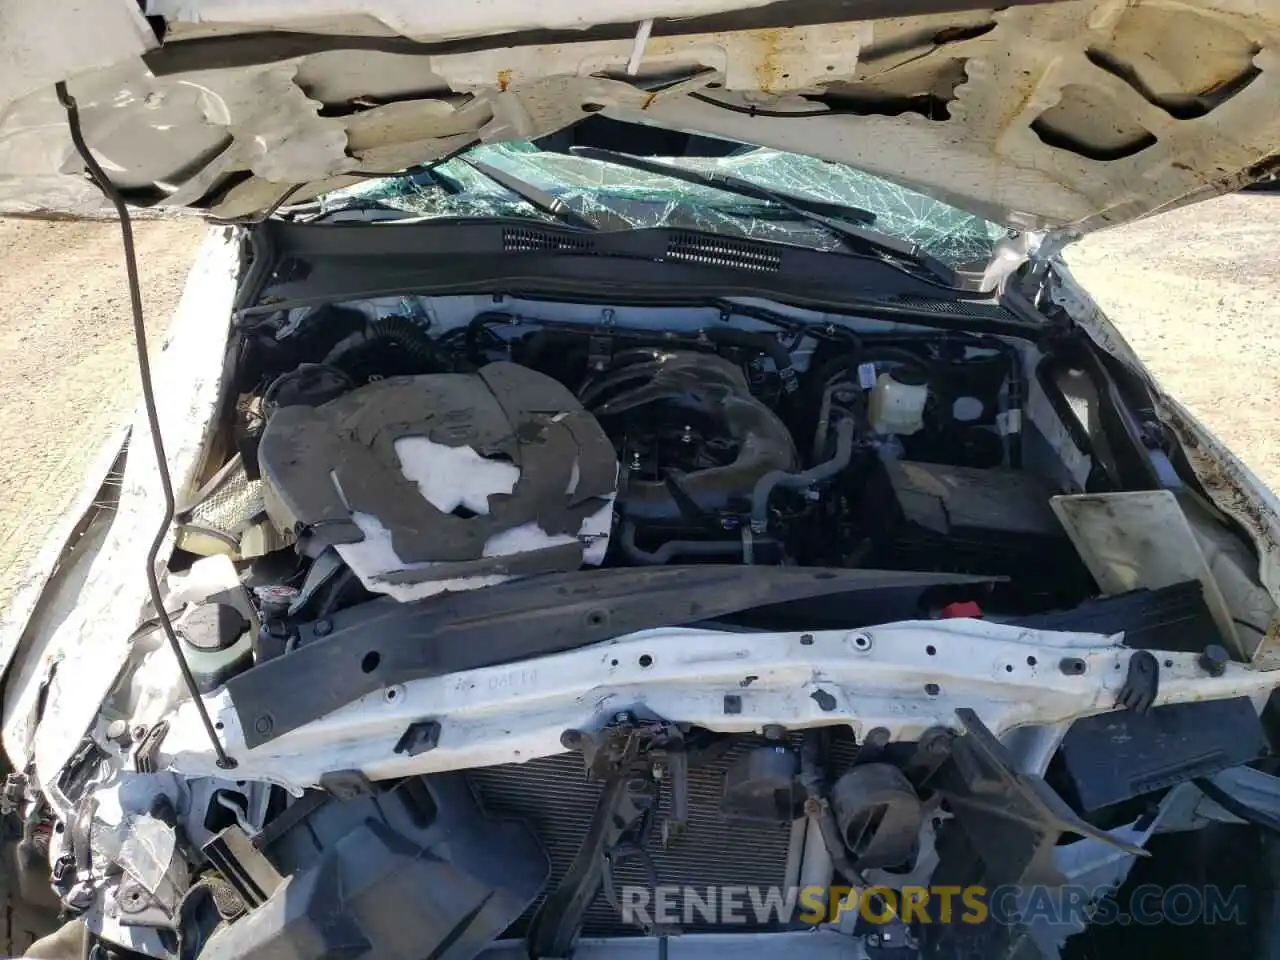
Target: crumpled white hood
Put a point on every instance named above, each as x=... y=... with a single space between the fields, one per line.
x=1074 y=114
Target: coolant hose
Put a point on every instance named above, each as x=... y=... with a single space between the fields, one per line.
x=762 y=342
x=817 y=808
x=350 y=354
x=675 y=548
x=410 y=338
x=779 y=478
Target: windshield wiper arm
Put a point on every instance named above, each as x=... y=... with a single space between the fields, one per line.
x=811 y=211
x=535 y=196
x=356 y=205
x=800 y=206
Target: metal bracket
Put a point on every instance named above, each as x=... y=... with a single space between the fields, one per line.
x=932 y=750
x=243 y=866
x=600 y=345
x=629 y=754
x=346 y=784
x=1013 y=820
x=13 y=794
x=627 y=745
x=1141 y=683
x=144 y=754
x=419 y=737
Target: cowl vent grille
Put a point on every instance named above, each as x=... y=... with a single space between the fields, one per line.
x=977 y=309
x=532 y=240
x=722 y=252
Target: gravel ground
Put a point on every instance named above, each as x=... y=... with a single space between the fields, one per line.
x=1195 y=291
x=67 y=373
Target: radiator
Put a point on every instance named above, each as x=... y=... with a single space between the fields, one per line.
x=553 y=795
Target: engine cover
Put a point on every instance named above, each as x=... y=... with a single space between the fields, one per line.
x=446 y=481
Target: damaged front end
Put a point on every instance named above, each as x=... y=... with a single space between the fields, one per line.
x=537 y=627
x=530 y=588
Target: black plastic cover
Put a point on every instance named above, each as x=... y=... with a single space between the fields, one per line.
x=931 y=516
x=1115 y=756
x=1167 y=618
x=417 y=871
x=326 y=463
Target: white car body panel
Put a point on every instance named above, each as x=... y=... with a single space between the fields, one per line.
x=878 y=677
x=90 y=642
x=1230 y=484
x=1070 y=115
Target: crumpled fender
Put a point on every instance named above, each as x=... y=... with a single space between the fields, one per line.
x=86 y=633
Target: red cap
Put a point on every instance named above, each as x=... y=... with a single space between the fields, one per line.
x=961 y=608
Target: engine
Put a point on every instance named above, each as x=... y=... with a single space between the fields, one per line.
x=417 y=461
x=694 y=444
x=408 y=461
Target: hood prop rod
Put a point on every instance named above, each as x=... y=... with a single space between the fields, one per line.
x=109 y=190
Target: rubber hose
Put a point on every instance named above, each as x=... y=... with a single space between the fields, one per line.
x=778 y=478
x=762 y=342
x=411 y=339
x=818 y=808
x=477 y=327
x=674 y=548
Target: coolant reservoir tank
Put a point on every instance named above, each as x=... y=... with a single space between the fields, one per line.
x=897 y=402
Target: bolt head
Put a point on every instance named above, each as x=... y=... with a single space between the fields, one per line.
x=1214 y=660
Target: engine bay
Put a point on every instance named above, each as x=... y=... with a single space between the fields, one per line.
x=433 y=455
x=851 y=525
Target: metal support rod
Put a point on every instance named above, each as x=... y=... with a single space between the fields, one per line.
x=149 y=402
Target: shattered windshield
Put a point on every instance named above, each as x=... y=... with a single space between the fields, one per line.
x=612 y=196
